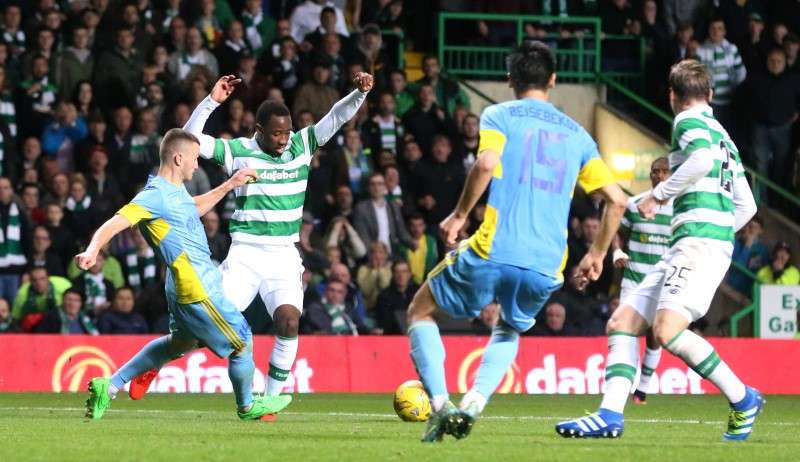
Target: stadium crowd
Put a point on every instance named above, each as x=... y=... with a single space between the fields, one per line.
x=88 y=87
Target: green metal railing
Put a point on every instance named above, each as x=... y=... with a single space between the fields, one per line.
x=577 y=57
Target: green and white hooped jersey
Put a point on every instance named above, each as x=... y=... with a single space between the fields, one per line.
x=704 y=209
x=269 y=211
x=648 y=240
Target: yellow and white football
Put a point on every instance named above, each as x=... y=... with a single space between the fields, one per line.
x=411 y=403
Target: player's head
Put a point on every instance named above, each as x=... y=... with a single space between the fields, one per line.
x=273 y=126
x=659 y=170
x=531 y=66
x=689 y=84
x=180 y=150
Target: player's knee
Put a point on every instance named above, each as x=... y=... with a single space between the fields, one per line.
x=246 y=350
x=287 y=321
x=181 y=346
x=422 y=306
x=663 y=333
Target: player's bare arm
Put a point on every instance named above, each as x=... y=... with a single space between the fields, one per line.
x=102 y=236
x=591 y=266
x=477 y=181
x=206 y=202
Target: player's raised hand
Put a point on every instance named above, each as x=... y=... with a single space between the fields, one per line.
x=449 y=228
x=86 y=259
x=245 y=175
x=224 y=88
x=363 y=82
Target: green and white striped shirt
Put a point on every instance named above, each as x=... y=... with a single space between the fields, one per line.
x=648 y=240
x=706 y=191
x=269 y=211
x=726 y=68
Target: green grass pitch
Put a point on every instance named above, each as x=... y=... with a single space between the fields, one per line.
x=363 y=427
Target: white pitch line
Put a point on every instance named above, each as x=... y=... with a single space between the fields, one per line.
x=380 y=415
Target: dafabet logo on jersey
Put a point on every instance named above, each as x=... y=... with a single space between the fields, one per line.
x=77 y=365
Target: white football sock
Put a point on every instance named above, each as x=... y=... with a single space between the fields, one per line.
x=621 y=362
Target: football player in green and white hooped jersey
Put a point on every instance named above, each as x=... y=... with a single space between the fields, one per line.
x=712 y=200
x=646 y=241
x=265 y=226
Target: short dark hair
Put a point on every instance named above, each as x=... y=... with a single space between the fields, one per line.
x=399 y=261
x=327 y=9
x=74 y=291
x=415 y=216
x=531 y=65
x=172 y=141
x=269 y=108
x=690 y=79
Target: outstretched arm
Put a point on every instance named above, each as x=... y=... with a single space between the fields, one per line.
x=206 y=202
x=344 y=109
x=197 y=121
x=102 y=236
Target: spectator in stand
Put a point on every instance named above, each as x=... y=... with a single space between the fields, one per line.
x=618 y=19
x=398 y=86
x=76 y=62
x=332 y=315
x=81 y=215
x=423 y=254
x=394 y=192
x=467 y=149
x=233 y=48
x=68 y=318
x=255 y=87
x=259 y=26
x=374 y=275
x=184 y=63
x=327 y=25
x=63 y=134
x=59 y=189
x=83 y=99
x=97 y=290
x=209 y=26
x=41 y=294
x=344 y=237
x=426 y=119
x=97 y=136
x=780 y=270
x=683 y=45
x=555 y=322
x=286 y=71
x=305 y=19
x=121 y=318
x=151 y=302
x=144 y=148
x=316 y=96
x=30 y=204
x=727 y=72
x=691 y=12
x=103 y=187
x=43 y=254
x=385 y=130
x=8 y=325
x=63 y=241
x=754 y=49
x=8 y=112
x=139 y=262
x=356 y=160
x=440 y=183
x=342 y=207
x=376 y=219
x=577 y=248
x=122 y=67
x=390 y=310
x=35 y=98
x=14 y=229
x=371 y=52
x=331 y=49
x=448 y=92
x=749 y=251
x=791 y=45
x=119 y=147
x=282 y=31
x=45 y=46
x=218 y=242
x=12 y=32
x=775 y=106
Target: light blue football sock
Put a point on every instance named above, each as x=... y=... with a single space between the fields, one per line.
x=240 y=371
x=427 y=352
x=497 y=358
x=154 y=355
